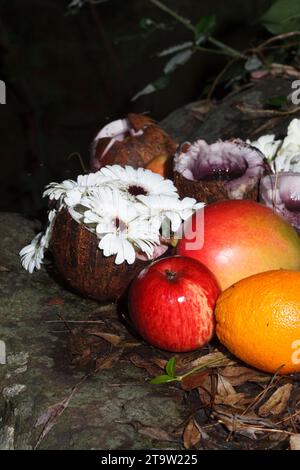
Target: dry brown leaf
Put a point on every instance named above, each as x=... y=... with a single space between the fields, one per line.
x=245 y=424
x=233 y=399
x=160 y=362
x=4 y=269
x=238 y=375
x=208 y=390
x=106 y=362
x=295 y=442
x=55 y=301
x=129 y=344
x=227 y=395
x=219 y=391
x=142 y=363
x=201 y=107
x=194 y=380
x=277 y=402
x=154 y=433
x=109 y=337
x=191 y=434
x=224 y=387
x=51 y=415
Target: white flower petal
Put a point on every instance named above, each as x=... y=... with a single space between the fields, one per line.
x=267 y=145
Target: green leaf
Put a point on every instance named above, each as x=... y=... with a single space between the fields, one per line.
x=205 y=27
x=277 y=101
x=282 y=17
x=170 y=367
x=161 y=83
x=162 y=379
x=178 y=59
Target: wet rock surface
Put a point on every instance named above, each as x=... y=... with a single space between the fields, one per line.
x=105 y=408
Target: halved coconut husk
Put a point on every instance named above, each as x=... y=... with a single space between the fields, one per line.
x=281 y=192
x=223 y=170
x=82 y=265
x=135 y=140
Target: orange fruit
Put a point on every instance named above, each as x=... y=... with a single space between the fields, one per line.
x=258 y=320
x=159 y=165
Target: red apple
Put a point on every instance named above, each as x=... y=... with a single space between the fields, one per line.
x=171 y=304
x=242 y=238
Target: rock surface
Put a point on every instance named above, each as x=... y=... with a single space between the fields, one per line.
x=106 y=410
x=227 y=120
x=37 y=374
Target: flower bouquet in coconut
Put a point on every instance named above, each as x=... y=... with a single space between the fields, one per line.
x=105 y=227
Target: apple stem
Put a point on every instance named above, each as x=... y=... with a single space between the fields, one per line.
x=171 y=275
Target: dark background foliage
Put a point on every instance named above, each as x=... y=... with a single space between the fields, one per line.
x=68 y=74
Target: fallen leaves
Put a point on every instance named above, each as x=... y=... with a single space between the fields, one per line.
x=107 y=362
x=49 y=418
x=201 y=361
x=295 y=442
x=154 y=433
x=195 y=380
x=247 y=425
x=277 y=402
x=248 y=405
x=55 y=301
x=143 y=363
x=238 y=375
x=98 y=347
x=191 y=434
x=4 y=269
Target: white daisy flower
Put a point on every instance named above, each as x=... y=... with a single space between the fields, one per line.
x=287 y=161
x=124 y=237
x=267 y=145
x=288 y=158
x=32 y=255
x=293 y=133
x=70 y=192
x=104 y=204
x=119 y=225
x=51 y=219
x=135 y=182
x=175 y=210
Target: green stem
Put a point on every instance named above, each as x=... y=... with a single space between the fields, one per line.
x=185 y=21
x=207 y=365
x=222 y=48
x=227 y=49
x=212 y=51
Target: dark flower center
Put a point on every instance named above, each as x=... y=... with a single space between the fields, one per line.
x=136 y=190
x=120 y=225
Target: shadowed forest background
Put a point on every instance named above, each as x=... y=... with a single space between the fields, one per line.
x=69 y=74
